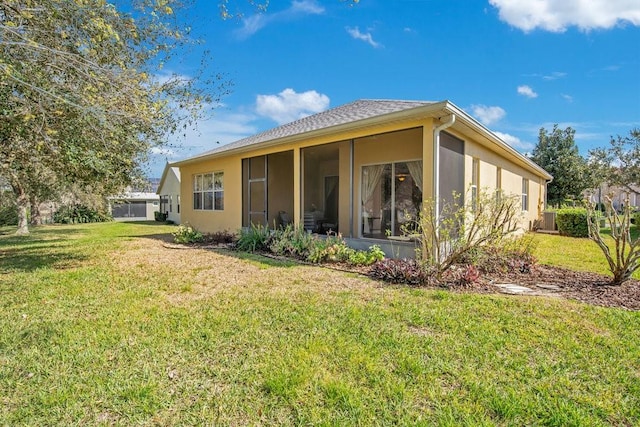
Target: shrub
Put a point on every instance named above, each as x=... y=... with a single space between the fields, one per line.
x=335 y=249
x=513 y=255
x=254 y=238
x=464 y=275
x=292 y=241
x=624 y=259
x=369 y=257
x=636 y=219
x=160 y=216
x=296 y=242
x=79 y=214
x=572 y=222
x=408 y=271
x=331 y=249
x=447 y=233
x=9 y=215
x=187 y=234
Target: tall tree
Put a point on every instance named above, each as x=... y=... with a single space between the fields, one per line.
x=619 y=164
x=558 y=154
x=80 y=92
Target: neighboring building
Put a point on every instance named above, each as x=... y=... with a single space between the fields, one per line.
x=134 y=206
x=355 y=169
x=618 y=195
x=169 y=192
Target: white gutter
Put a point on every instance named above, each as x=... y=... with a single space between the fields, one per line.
x=450 y=120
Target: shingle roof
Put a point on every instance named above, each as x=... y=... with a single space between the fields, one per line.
x=348 y=113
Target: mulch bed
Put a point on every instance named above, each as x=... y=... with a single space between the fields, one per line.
x=545 y=280
x=583 y=286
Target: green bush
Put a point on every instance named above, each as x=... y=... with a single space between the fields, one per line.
x=512 y=255
x=572 y=222
x=292 y=241
x=254 y=238
x=187 y=234
x=334 y=249
x=296 y=242
x=160 y=216
x=8 y=215
x=636 y=219
x=79 y=214
x=369 y=257
x=331 y=249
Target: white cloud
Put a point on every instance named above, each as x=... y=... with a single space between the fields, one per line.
x=488 y=115
x=566 y=97
x=298 y=8
x=307 y=7
x=558 y=15
x=222 y=128
x=515 y=142
x=288 y=105
x=365 y=37
x=525 y=90
x=554 y=76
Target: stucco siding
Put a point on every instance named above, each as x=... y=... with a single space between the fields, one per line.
x=230 y=217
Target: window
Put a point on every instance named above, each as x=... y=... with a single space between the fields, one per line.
x=170 y=203
x=498 y=184
x=391 y=196
x=208 y=191
x=178 y=204
x=525 y=195
x=475 y=177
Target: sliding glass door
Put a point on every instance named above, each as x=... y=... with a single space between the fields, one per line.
x=391 y=197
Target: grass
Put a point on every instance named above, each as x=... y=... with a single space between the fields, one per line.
x=100 y=324
x=580 y=254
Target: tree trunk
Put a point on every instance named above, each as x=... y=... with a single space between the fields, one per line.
x=22 y=201
x=36 y=218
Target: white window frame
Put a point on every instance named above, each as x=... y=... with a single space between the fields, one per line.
x=216 y=190
x=525 y=195
x=475 y=181
x=498 y=184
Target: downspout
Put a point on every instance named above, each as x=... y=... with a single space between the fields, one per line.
x=450 y=120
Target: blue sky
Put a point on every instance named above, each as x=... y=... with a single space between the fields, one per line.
x=514 y=65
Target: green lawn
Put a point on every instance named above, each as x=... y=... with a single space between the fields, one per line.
x=574 y=253
x=101 y=324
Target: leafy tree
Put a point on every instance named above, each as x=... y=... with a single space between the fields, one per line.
x=82 y=98
x=558 y=154
x=619 y=164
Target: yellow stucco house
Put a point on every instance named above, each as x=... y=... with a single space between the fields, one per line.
x=356 y=169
